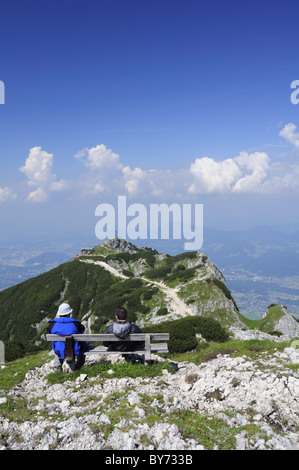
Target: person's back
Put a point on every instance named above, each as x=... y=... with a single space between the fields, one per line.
x=122 y=329
x=64 y=325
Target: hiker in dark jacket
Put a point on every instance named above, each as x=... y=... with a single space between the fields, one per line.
x=62 y=325
x=122 y=328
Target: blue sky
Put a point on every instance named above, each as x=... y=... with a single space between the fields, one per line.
x=162 y=101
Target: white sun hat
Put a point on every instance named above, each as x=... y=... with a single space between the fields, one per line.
x=64 y=309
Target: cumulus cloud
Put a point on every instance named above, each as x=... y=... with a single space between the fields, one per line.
x=39 y=195
x=107 y=174
x=105 y=169
x=99 y=158
x=213 y=176
x=290 y=135
x=133 y=179
x=244 y=173
x=255 y=168
x=38 y=170
x=6 y=194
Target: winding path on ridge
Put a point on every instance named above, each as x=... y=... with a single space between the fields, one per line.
x=178 y=305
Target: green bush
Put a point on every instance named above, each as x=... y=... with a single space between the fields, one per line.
x=182 y=333
x=158 y=273
x=184 y=256
x=15 y=350
x=162 y=311
x=100 y=324
x=210 y=329
x=150 y=292
x=182 y=274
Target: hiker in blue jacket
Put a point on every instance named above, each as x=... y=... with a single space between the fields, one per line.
x=63 y=324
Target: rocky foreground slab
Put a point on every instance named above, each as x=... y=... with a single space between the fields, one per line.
x=240 y=402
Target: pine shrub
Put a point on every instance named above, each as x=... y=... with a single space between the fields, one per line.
x=182 y=333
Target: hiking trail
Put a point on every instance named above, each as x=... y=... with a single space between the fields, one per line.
x=178 y=305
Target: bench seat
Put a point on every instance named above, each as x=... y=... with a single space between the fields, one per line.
x=146 y=350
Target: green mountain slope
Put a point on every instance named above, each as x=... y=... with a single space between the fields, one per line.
x=153 y=287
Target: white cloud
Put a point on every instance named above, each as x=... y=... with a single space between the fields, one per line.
x=99 y=157
x=257 y=165
x=213 y=176
x=39 y=195
x=38 y=170
x=105 y=174
x=133 y=178
x=6 y=194
x=246 y=173
x=290 y=135
x=105 y=169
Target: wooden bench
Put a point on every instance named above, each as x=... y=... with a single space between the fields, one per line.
x=145 y=350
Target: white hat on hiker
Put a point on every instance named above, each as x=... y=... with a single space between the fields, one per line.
x=64 y=309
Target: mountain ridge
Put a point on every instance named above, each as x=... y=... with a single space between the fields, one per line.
x=154 y=287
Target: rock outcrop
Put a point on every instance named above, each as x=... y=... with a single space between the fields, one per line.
x=254 y=402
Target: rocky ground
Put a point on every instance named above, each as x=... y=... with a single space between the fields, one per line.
x=231 y=402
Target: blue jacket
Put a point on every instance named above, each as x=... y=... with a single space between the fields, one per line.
x=67 y=326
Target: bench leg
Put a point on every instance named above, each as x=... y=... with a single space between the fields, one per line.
x=72 y=365
x=69 y=350
x=147 y=347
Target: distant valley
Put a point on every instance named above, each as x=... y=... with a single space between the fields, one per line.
x=260 y=267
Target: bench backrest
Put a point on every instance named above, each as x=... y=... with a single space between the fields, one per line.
x=110 y=337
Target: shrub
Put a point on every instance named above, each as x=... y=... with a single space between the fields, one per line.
x=98 y=325
x=182 y=274
x=162 y=311
x=128 y=273
x=149 y=293
x=182 y=333
x=158 y=273
x=177 y=345
x=210 y=329
x=275 y=333
x=14 y=350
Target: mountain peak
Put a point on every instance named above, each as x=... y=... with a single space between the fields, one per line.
x=121 y=245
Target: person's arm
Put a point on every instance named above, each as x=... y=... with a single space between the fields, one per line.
x=79 y=327
x=50 y=326
x=107 y=331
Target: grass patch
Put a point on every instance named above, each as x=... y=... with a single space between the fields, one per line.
x=250 y=348
x=205 y=430
x=14 y=372
x=210 y=431
x=267 y=324
x=107 y=370
x=17 y=410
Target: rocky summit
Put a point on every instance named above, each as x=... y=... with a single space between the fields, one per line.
x=226 y=402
